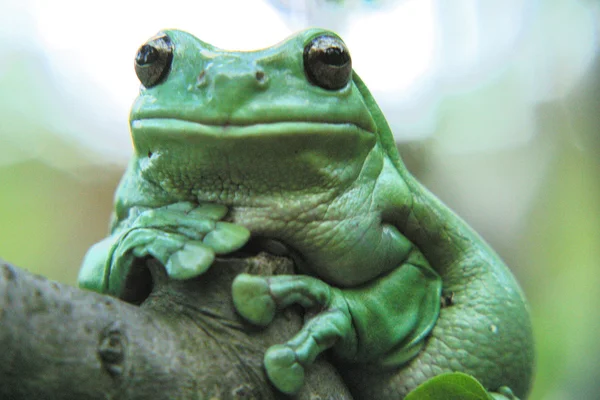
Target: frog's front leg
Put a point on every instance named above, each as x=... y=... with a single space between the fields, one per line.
x=183 y=236
x=383 y=321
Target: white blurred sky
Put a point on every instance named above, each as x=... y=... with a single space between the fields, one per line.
x=67 y=65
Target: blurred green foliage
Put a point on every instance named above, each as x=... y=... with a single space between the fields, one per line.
x=49 y=217
x=561 y=253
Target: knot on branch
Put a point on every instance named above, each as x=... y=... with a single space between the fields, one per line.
x=111 y=349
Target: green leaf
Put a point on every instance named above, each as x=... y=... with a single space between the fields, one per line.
x=450 y=386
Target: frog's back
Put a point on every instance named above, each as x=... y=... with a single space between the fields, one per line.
x=483 y=328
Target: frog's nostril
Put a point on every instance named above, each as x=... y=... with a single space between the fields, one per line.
x=230 y=76
x=261 y=78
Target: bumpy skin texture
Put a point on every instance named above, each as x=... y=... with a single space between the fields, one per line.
x=233 y=144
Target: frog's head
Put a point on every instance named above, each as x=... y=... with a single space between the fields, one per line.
x=291 y=116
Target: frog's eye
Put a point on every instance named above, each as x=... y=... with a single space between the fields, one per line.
x=327 y=62
x=153 y=60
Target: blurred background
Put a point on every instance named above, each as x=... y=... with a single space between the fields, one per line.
x=495 y=104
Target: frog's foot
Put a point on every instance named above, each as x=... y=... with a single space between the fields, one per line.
x=253 y=300
x=199 y=223
x=184 y=237
x=285 y=363
x=183 y=258
x=257 y=299
x=504 y=393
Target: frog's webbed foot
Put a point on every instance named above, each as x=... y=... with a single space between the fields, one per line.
x=258 y=298
x=183 y=258
x=200 y=223
x=184 y=237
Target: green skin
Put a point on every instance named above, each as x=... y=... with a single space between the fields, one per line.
x=249 y=138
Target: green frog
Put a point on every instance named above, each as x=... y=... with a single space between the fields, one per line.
x=285 y=146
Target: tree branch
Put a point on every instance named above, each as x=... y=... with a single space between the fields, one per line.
x=184 y=341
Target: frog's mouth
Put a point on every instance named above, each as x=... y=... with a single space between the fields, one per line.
x=172 y=128
x=281 y=142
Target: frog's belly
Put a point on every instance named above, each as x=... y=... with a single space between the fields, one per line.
x=344 y=252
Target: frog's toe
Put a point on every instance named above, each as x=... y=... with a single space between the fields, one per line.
x=283 y=369
x=253 y=300
x=192 y=260
x=226 y=237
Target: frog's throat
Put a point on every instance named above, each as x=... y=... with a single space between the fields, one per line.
x=250 y=160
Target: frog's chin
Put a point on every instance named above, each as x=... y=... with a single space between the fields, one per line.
x=279 y=156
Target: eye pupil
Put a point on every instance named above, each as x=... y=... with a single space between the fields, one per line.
x=334 y=56
x=146 y=55
x=327 y=62
x=153 y=60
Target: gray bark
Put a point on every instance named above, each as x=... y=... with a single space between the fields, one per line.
x=184 y=341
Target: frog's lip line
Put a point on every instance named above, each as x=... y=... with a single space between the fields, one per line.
x=235 y=130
